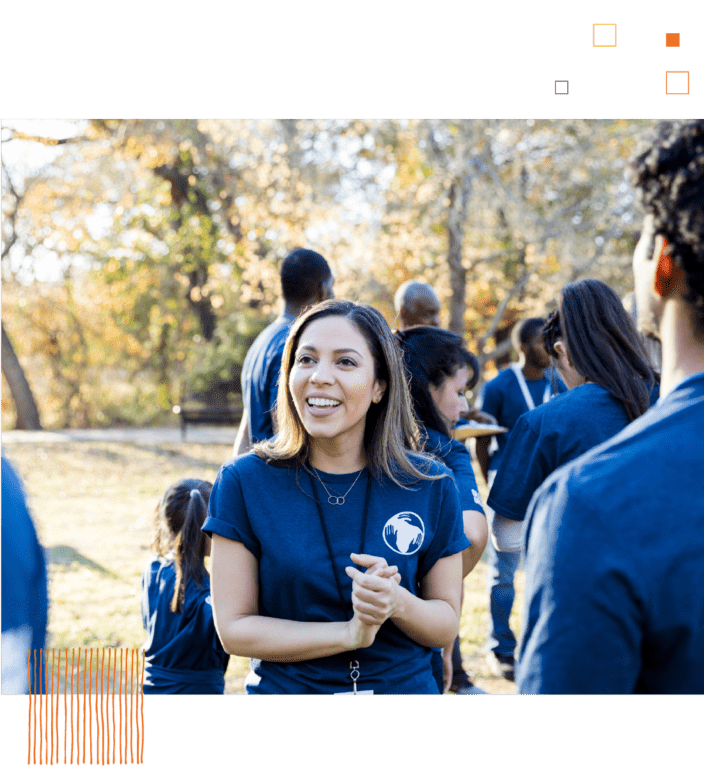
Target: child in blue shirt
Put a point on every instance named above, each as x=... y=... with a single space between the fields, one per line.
x=183 y=653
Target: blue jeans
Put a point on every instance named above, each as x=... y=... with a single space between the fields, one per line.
x=502 y=567
x=499 y=584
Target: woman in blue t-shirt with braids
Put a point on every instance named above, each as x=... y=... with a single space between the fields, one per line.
x=600 y=357
x=440 y=371
x=342 y=484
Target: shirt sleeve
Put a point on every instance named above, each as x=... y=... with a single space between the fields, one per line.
x=449 y=537
x=581 y=616
x=507 y=535
x=458 y=460
x=227 y=512
x=521 y=472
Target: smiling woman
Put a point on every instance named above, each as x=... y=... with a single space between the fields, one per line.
x=342 y=482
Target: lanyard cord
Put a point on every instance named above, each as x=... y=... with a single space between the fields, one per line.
x=516 y=367
x=327 y=537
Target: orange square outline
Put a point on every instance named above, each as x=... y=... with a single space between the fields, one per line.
x=672 y=36
x=676 y=72
x=604 y=24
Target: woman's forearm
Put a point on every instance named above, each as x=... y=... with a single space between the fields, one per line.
x=477 y=531
x=433 y=623
x=282 y=640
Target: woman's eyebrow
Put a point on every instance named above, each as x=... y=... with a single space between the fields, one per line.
x=310 y=348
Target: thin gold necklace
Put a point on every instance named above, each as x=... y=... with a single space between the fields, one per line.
x=333 y=498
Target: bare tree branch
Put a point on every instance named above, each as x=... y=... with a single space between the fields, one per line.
x=517 y=288
x=15 y=134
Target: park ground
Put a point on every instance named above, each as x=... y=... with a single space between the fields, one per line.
x=92 y=495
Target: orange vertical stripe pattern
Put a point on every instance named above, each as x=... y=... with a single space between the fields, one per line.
x=43 y=674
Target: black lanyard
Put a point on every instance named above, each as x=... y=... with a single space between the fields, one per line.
x=327 y=536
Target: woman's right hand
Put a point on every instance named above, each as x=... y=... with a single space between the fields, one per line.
x=363 y=632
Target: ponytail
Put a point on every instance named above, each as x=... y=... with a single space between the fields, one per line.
x=190 y=549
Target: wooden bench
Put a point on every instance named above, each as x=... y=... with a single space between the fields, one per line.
x=199 y=409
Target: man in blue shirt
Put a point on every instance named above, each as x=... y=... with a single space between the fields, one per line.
x=516 y=390
x=306 y=280
x=615 y=539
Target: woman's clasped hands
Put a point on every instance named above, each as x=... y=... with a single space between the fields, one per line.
x=375 y=596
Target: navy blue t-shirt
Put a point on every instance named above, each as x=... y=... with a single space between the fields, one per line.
x=548 y=437
x=260 y=377
x=615 y=563
x=183 y=653
x=502 y=398
x=24 y=589
x=456 y=457
x=271 y=510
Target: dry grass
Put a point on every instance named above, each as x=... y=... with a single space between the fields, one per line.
x=93 y=504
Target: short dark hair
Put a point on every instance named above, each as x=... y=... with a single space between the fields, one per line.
x=668 y=173
x=603 y=343
x=525 y=330
x=302 y=273
x=432 y=355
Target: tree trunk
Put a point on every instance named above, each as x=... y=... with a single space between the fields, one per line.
x=457 y=215
x=27 y=413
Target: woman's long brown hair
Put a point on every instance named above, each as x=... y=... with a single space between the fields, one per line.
x=603 y=343
x=391 y=436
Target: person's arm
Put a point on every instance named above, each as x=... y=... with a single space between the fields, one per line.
x=477 y=531
x=482 y=417
x=506 y=534
x=447 y=667
x=457 y=458
x=528 y=458
x=243 y=632
x=242 y=442
x=489 y=403
x=432 y=619
x=483 y=458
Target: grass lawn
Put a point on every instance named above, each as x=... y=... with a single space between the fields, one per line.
x=93 y=505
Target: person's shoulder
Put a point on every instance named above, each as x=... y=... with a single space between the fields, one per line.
x=606 y=469
x=436 y=443
x=243 y=463
x=503 y=378
x=439 y=473
x=423 y=461
x=271 y=337
x=159 y=567
x=574 y=400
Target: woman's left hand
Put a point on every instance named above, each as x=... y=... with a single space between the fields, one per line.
x=376 y=593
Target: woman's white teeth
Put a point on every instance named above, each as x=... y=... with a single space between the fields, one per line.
x=322 y=402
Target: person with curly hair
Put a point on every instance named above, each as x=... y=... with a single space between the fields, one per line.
x=615 y=539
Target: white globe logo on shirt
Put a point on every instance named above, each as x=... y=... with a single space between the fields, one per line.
x=404 y=533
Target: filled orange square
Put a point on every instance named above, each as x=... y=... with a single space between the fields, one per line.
x=672 y=39
x=604 y=24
